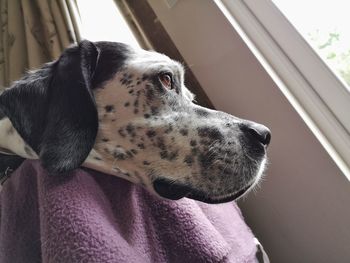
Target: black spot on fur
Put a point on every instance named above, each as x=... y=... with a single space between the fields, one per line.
x=97 y=158
x=141 y=145
x=161 y=144
x=210 y=132
x=154 y=110
x=144 y=77
x=151 y=133
x=126 y=104
x=150 y=93
x=173 y=155
x=228 y=161
x=169 y=129
x=163 y=154
x=184 y=132
x=188 y=160
x=121 y=132
x=109 y=108
x=131 y=130
x=146 y=115
x=131 y=91
x=105 y=139
x=193 y=143
x=201 y=112
x=126 y=79
x=136 y=111
x=146 y=163
x=206 y=159
x=170 y=156
x=119 y=156
x=134 y=151
x=228 y=170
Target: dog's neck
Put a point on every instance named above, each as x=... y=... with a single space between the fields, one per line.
x=12 y=143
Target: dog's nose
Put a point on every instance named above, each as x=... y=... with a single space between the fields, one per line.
x=257 y=131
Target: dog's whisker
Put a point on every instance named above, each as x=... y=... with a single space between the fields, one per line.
x=214 y=142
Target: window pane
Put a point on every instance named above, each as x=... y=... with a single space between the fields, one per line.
x=325 y=26
x=102 y=21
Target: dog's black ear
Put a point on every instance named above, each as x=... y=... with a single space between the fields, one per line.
x=53 y=108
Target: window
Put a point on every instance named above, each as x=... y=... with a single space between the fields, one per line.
x=318 y=95
x=102 y=21
x=326 y=30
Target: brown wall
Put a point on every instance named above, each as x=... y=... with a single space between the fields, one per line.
x=302 y=212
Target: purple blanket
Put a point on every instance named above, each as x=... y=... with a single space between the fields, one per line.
x=93 y=217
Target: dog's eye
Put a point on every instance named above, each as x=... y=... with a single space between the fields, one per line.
x=166 y=79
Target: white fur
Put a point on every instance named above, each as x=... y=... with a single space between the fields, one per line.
x=11 y=141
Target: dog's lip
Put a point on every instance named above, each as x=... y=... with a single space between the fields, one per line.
x=171 y=190
x=218 y=200
x=174 y=191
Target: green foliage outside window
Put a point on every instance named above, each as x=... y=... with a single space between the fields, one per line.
x=330 y=49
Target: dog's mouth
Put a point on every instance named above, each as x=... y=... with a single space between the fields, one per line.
x=174 y=191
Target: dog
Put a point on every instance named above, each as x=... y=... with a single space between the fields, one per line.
x=126 y=112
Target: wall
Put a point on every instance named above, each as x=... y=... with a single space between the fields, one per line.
x=301 y=212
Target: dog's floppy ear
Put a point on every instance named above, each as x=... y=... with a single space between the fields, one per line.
x=53 y=108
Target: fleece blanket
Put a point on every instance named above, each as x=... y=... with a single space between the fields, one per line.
x=87 y=216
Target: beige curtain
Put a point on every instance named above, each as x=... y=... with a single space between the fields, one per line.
x=34 y=32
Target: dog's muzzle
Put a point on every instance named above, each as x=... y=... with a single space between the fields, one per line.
x=255 y=138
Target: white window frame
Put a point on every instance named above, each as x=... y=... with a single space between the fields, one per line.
x=298 y=71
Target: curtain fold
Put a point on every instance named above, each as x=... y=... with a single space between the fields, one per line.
x=34 y=32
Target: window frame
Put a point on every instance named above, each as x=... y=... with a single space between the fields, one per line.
x=298 y=71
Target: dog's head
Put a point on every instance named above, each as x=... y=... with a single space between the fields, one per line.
x=132 y=108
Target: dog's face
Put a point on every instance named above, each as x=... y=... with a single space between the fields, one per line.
x=142 y=124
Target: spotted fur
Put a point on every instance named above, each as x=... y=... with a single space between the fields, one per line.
x=146 y=132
